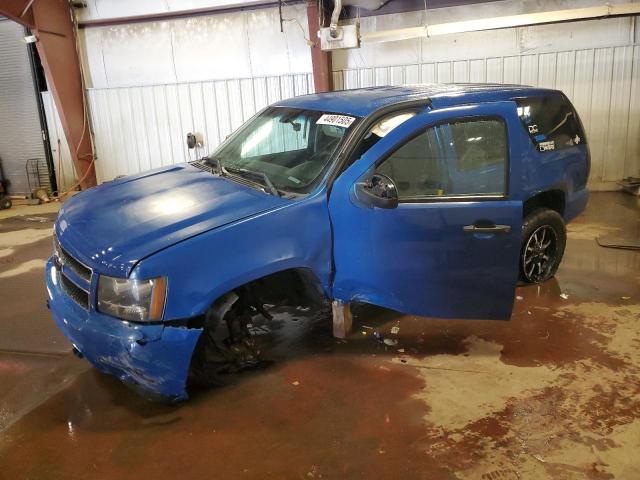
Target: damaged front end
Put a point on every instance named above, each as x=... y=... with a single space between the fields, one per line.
x=152 y=358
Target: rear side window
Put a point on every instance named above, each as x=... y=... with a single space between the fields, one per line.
x=551 y=122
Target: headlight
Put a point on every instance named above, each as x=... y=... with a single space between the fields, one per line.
x=134 y=300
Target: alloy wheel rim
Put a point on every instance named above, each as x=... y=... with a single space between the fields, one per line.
x=539 y=253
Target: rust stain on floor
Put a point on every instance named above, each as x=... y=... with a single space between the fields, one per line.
x=557 y=420
x=552 y=394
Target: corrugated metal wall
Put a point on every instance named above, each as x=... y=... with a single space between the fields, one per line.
x=603 y=84
x=139 y=128
x=20 y=133
x=63 y=165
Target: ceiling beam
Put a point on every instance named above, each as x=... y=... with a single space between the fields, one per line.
x=18 y=11
x=320 y=60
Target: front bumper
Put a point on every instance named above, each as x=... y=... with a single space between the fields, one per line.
x=154 y=358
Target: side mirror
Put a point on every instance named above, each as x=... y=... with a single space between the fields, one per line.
x=378 y=191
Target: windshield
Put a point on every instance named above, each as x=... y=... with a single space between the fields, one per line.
x=290 y=147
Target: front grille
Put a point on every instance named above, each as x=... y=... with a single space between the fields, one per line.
x=75 y=293
x=66 y=259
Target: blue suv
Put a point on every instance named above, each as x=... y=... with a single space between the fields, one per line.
x=431 y=200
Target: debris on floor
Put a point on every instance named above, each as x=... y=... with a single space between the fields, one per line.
x=631 y=185
x=37 y=219
x=622 y=243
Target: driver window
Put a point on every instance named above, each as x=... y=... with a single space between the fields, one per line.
x=418 y=168
x=467 y=157
x=380 y=129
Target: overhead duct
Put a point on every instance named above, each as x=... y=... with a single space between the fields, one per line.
x=347 y=36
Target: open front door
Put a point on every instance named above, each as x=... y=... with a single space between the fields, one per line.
x=450 y=247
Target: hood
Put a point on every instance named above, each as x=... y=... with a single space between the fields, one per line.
x=115 y=225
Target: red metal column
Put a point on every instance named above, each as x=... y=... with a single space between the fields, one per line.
x=321 y=61
x=51 y=22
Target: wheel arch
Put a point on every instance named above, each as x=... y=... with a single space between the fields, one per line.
x=553 y=199
x=300 y=281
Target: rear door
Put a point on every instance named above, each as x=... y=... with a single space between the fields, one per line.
x=450 y=248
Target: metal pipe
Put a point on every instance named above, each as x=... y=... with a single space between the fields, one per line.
x=494 y=23
x=26 y=7
x=335 y=16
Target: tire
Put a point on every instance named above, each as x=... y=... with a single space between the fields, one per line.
x=544 y=238
x=226 y=347
x=5 y=203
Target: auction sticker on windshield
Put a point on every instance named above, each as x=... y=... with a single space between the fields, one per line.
x=335 y=120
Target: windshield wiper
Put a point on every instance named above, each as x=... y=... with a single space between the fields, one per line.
x=214 y=162
x=251 y=175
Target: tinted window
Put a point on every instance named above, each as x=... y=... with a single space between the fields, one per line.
x=460 y=158
x=551 y=122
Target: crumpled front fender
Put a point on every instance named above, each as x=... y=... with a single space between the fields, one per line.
x=153 y=359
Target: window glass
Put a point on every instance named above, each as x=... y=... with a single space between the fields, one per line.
x=551 y=122
x=274 y=135
x=460 y=158
x=380 y=129
x=291 y=147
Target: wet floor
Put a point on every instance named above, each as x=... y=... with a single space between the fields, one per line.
x=552 y=394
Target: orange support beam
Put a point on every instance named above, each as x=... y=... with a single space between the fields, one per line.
x=51 y=21
x=320 y=61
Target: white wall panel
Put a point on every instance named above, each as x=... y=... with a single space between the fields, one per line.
x=143 y=127
x=100 y=9
x=631 y=163
x=212 y=47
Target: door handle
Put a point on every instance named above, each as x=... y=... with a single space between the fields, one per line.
x=487 y=229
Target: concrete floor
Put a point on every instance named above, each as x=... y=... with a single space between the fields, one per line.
x=552 y=394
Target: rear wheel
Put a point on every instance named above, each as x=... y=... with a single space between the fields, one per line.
x=226 y=346
x=5 y=203
x=543 y=241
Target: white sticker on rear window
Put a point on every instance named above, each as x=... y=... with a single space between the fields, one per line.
x=545 y=146
x=335 y=120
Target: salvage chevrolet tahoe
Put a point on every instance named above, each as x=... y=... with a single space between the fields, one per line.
x=431 y=200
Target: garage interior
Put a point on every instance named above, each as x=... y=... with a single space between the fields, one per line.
x=97 y=89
